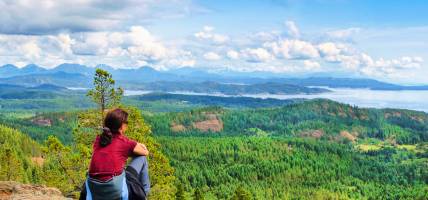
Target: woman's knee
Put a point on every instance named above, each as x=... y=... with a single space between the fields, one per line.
x=138 y=163
x=140 y=159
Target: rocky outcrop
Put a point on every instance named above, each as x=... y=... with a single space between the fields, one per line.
x=177 y=128
x=317 y=134
x=42 y=122
x=14 y=190
x=213 y=125
x=209 y=122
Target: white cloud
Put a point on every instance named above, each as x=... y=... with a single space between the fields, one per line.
x=292 y=29
x=103 y=42
x=256 y=55
x=211 y=56
x=116 y=51
x=134 y=47
x=232 y=54
x=264 y=36
x=400 y=63
x=207 y=34
x=64 y=43
x=293 y=49
x=31 y=50
x=408 y=62
x=54 y=16
x=363 y=63
x=311 y=65
x=137 y=43
x=329 y=49
x=181 y=62
x=343 y=34
x=337 y=52
x=208 y=28
x=91 y=44
x=43 y=50
x=381 y=67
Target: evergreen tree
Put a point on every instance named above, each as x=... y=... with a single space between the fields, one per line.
x=15 y=154
x=13 y=166
x=241 y=194
x=161 y=173
x=104 y=94
x=198 y=195
x=65 y=167
x=179 y=195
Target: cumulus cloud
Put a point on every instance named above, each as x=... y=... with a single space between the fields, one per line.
x=137 y=43
x=264 y=36
x=343 y=34
x=212 y=56
x=44 y=50
x=134 y=47
x=94 y=31
x=336 y=52
x=53 y=16
x=31 y=50
x=329 y=49
x=91 y=44
x=207 y=34
x=268 y=50
x=232 y=54
x=361 y=62
x=405 y=62
x=292 y=29
x=293 y=49
x=366 y=65
x=311 y=65
x=256 y=55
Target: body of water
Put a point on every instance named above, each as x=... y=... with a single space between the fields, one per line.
x=404 y=99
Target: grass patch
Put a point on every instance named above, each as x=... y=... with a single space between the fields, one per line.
x=369 y=147
x=408 y=147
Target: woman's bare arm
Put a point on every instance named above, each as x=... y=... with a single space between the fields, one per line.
x=141 y=150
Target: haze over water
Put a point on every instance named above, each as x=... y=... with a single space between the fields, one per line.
x=404 y=99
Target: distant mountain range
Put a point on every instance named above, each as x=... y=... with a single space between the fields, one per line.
x=189 y=79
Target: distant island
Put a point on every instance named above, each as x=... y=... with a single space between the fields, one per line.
x=187 y=79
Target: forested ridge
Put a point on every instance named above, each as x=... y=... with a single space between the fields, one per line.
x=286 y=168
x=268 y=153
x=297 y=149
x=17 y=151
x=326 y=117
x=315 y=149
x=64 y=166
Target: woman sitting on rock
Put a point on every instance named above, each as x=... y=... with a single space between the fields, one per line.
x=107 y=177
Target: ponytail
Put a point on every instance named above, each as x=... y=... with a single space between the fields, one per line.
x=112 y=124
x=106 y=136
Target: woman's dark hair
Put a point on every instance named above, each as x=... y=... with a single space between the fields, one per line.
x=112 y=123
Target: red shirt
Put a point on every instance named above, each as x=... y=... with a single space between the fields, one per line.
x=110 y=160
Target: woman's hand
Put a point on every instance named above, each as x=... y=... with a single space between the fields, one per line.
x=141 y=150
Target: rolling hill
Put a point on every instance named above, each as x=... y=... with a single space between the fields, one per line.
x=228 y=89
x=75 y=75
x=57 y=78
x=320 y=118
x=43 y=91
x=317 y=148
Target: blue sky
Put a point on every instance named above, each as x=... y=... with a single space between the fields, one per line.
x=253 y=15
x=386 y=40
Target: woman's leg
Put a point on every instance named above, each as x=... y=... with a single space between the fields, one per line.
x=141 y=165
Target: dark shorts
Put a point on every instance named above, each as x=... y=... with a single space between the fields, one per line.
x=135 y=188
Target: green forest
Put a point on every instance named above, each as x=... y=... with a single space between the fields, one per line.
x=223 y=148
